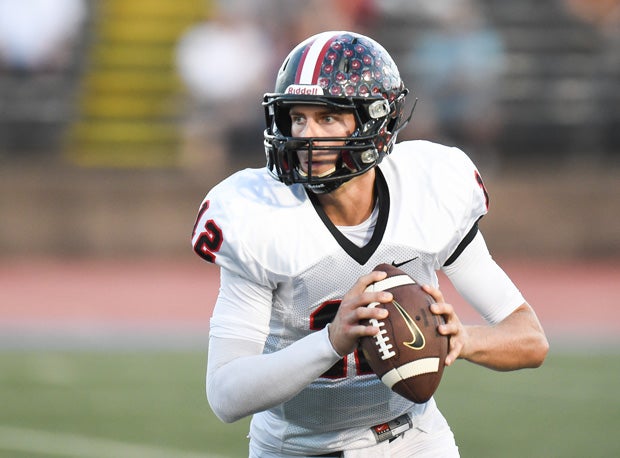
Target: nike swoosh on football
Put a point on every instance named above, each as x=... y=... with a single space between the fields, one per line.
x=417 y=338
x=395 y=264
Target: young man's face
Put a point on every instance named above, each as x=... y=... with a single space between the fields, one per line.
x=320 y=121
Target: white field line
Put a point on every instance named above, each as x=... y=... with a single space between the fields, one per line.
x=78 y=446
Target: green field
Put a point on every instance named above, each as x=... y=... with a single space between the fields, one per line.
x=152 y=404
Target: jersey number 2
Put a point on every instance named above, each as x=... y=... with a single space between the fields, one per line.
x=210 y=239
x=320 y=318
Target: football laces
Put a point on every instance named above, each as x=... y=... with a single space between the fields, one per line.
x=382 y=341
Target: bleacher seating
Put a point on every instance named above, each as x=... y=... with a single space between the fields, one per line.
x=37 y=101
x=129 y=100
x=117 y=98
x=558 y=97
x=119 y=101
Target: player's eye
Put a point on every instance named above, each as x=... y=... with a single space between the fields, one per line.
x=329 y=118
x=297 y=119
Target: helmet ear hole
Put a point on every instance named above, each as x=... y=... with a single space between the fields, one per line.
x=379 y=109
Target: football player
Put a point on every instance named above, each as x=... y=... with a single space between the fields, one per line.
x=296 y=243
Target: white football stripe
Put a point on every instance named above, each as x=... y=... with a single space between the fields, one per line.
x=421 y=366
x=391 y=282
x=310 y=62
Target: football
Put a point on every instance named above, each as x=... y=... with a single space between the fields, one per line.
x=408 y=353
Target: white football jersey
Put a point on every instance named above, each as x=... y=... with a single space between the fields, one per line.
x=429 y=196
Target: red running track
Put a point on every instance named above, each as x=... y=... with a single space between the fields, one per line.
x=574 y=300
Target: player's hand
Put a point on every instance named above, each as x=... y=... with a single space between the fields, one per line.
x=346 y=329
x=453 y=326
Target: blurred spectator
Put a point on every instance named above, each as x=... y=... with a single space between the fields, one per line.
x=230 y=60
x=605 y=14
x=35 y=34
x=289 y=22
x=458 y=64
x=297 y=20
x=37 y=62
x=223 y=62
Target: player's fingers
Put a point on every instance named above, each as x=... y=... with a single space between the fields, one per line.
x=368 y=313
x=364 y=305
x=347 y=328
x=449 y=329
x=361 y=295
x=361 y=330
x=365 y=280
x=454 y=351
x=371 y=298
x=351 y=320
x=445 y=309
x=435 y=293
x=453 y=328
x=452 y=325
x=362 y=284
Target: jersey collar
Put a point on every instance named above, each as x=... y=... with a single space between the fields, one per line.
x=364 y=253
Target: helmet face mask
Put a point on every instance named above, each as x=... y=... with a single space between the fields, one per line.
x=344 y=71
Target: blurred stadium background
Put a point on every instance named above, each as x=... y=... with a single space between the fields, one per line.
x=117 y=116
x=109 y=140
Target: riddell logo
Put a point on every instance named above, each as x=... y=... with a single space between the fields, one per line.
x=303 y=90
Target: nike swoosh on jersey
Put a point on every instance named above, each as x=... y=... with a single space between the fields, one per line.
x=398 y=264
